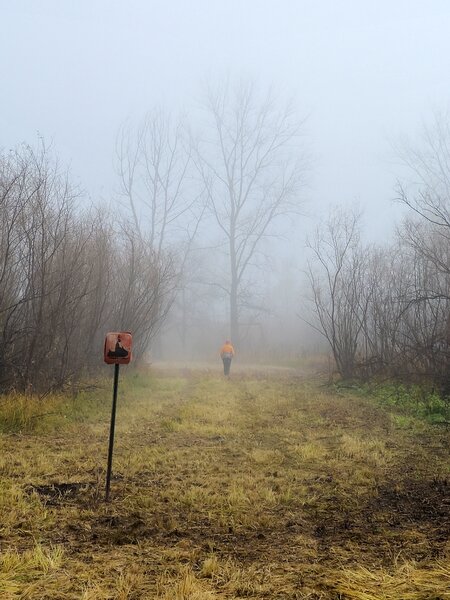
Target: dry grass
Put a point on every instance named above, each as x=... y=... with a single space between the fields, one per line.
x=407 y=581
x=264 y=486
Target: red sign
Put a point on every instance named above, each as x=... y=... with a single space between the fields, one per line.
x=118 y=348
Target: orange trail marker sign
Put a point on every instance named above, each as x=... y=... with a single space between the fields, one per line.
x=117 y=351
x=118 y=348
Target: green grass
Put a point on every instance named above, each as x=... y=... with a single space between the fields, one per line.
x=419 y=402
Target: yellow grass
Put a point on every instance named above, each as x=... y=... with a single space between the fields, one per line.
x=262 y=486
x=407 y=581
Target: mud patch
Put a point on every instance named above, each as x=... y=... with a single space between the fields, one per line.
x=400 y=511
x=120 y=529
x=417 y=503
x=56 y=494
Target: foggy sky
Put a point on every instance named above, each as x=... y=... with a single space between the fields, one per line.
x=364 y=71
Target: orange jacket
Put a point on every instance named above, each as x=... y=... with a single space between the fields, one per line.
x=226 y=349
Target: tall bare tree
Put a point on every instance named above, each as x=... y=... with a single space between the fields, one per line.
x=252 y=170
x=153 y=161
x=166 y=205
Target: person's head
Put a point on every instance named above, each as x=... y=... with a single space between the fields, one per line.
x=227 y=342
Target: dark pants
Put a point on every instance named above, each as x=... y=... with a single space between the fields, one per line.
x=226 y=365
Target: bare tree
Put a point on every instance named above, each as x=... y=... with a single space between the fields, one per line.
x=337 y=274
x=153 y=161
x=428 y=239
x=429 y=193
x=252 y=170
x=428 y=162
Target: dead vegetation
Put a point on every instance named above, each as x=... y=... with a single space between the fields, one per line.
x=258 y=487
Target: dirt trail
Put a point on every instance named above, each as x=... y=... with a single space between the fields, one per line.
x=246 y=369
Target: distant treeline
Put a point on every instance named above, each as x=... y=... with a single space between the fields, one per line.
x=197 y=215
x=67 y=275
x=385 y=311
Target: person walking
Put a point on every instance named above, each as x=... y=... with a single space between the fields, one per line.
x=227 y=353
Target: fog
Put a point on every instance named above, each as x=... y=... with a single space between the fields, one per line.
x=361 y=77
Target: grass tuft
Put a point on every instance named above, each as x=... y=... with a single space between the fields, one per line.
x=407 y=581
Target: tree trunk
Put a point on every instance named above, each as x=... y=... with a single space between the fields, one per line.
x=234 y=314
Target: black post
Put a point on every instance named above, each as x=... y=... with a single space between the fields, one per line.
x=111 y=432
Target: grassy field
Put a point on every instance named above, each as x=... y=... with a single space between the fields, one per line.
x=268 y=485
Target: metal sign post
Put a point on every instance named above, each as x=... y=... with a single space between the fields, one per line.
x=117 y=352
x=111 y=432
